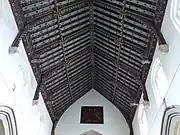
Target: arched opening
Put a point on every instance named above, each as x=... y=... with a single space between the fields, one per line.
x=114 y=122
x=171 y=121
x=2 y=132
x=7 y=121
x=91 y=132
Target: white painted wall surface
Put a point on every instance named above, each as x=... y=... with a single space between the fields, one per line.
x=114 y=122
x=170 y=62
x=15 y=72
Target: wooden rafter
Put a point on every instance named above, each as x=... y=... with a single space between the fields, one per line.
x=74 y=46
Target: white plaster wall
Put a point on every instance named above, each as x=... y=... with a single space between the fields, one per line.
x=16 y=73
x=114 y=122
x=170 y=62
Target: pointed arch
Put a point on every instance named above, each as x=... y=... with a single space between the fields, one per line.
x=91 y=132
x=171 y=121
x=114 y=121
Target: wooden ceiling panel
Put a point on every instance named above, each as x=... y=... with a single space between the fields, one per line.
x=76 y=45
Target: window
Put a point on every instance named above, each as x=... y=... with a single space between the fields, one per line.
x=2 y=132
x=171 y=121
x=175 y=13
x=7 y=121
x=177 y=128
x=159 y=81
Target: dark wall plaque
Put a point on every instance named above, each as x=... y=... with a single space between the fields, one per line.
x=92 y=115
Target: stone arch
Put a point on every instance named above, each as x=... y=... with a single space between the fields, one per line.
x=91 y=132
x=114 y=121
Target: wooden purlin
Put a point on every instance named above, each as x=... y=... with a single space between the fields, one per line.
x=23 y=24
x=58 y=15
x=28 y=47
x=146 y=67
x=91 y=21
x=18 y=13
x=120 y=44
x=151 y=25
x=67 y=75
x=112 y=33
x=20 y=35
x=58 y=109
x=159 y=13
x=142 y=79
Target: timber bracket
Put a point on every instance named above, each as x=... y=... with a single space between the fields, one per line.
x=15 y=44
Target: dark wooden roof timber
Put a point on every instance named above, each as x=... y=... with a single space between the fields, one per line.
x=76 y=45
